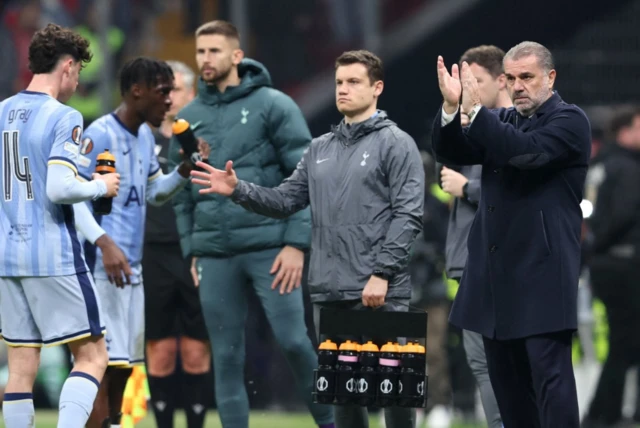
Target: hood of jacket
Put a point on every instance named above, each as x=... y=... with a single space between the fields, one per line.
x=351 y=133
x=253 y=76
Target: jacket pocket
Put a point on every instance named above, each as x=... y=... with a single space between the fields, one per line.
x=356 y=247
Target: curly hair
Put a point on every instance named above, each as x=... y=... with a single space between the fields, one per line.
x=52 y=43
x=144 y=70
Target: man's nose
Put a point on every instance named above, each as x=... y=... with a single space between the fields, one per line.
x=518 y=86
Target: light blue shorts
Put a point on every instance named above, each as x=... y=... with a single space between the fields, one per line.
x=123 y=311
x=48 y=311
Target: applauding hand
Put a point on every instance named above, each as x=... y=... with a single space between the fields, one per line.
x=470 y=93
x=450 y=86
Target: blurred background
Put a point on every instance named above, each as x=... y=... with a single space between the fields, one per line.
x=596 y=45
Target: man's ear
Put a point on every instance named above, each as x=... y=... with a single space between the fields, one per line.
x=502 y=81
x=67 y=64
x=237 y=57
x=552 y=78
x=136 y=90
x=378 y=88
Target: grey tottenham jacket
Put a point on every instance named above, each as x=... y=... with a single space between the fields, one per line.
x=460 y=220
x=365 y=186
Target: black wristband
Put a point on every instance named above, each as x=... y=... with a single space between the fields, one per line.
x=381 y=274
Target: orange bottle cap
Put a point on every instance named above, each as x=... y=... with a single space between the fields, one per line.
x=410 y=348
x=370 y=347
x=328 y=345
x=179 y=126
x=349 y=346
x=389 y=347
x=106 y=155
x=102 y=162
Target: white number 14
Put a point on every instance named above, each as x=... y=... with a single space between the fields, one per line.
x=12 y=165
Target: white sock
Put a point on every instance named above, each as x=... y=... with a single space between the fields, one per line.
x=76 y=400
x=18 y=411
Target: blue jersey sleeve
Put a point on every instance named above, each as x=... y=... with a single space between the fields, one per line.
x=154 y=166
x=67 y=135
x=95 y=141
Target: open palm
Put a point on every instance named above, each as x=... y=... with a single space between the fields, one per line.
x=215 y=180
x=450 y=85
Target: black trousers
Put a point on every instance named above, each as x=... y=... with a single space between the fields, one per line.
x=533 y=381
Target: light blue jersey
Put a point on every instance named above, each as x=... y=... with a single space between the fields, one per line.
x=138 y=166
x=37 y=237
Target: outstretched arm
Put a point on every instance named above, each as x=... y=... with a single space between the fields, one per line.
x=289 y=197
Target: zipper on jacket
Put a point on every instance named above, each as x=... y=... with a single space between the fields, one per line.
x=218 y=112
x=342 y=153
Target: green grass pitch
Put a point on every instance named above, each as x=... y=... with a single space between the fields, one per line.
x=47 y=419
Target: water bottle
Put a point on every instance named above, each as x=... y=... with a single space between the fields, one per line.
x=187 y=139
x=105 y=164
x=389 y=363
x=346 y=373
x=368 y=374
x=412 y=384
x=325 y=374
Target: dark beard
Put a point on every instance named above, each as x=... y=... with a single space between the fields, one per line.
x=219 y=77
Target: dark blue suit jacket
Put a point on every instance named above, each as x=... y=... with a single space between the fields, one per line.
x=521 y=277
